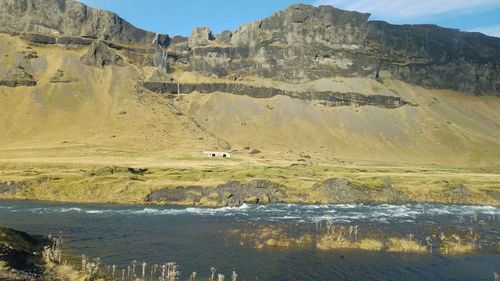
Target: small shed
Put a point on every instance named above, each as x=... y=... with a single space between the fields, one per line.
x=217 y=154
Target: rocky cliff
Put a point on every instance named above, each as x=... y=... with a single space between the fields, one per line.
x=304 y=43
x=299 y=44
x=70 y=18
x=437 y=57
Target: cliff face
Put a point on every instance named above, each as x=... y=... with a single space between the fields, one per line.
x=437 y=57
x=70 y=18
x=299 y=44
x=304 y=43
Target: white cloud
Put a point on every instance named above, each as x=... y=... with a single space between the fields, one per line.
x=488 y=30
x=410 y=9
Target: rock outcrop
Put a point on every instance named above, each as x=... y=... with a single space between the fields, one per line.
x=17 y=77
x=299 y=44
x=323 y=98
x=232 y=193
x=201 y=36
x=61 y=77
x=437 y=57
x=71 y=18
x=20 y=253
x=10 y=188
x=339 y=190
x=99 y=55
x=304 y=43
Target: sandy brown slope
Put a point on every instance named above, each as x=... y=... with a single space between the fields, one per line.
x=101 y=112
x=99 y=108
x=56 y=137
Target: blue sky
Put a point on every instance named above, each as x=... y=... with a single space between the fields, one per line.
x=179 y=17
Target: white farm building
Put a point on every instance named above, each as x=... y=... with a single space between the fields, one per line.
x=217 y=154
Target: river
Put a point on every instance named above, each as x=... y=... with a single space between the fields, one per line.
x=199 y=238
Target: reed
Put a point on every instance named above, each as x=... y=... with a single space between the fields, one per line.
x=327 y=236
x=212 y=273
x=456 y=245
x=93 y=269
x=405 y=245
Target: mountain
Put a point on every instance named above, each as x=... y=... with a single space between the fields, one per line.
x=305 y=86
x=69 y=18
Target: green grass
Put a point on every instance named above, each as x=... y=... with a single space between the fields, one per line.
x=57 y=182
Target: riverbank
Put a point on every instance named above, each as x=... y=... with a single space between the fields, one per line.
x=21 y=255
x=26 y=257
x=218 y=183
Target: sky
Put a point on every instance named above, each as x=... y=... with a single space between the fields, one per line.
x=179 y=17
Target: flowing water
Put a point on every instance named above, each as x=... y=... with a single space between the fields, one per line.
x=198 y=238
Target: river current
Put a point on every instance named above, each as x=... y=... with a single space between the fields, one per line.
x=199 y=238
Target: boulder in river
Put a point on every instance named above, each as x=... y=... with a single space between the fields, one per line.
x=231 y=193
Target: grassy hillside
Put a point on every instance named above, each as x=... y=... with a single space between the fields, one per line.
x=99 y=117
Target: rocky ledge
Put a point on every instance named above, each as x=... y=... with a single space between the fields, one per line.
x=298 y=44
x=232 y=193
x=324 y=98
x=21 y=255
x=304 y=43
x=329 y=191
x=17 y=77
x=71 y=18
x=99 y=55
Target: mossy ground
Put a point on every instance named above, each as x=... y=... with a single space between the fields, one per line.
x=96 y=183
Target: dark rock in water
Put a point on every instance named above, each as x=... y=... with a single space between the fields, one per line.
x=232 y=193
x=99 y=55
x=176 y=195
x=235 y=193
x=323 y=98
x=339 y=190
x=17 y=77
x=21 y=252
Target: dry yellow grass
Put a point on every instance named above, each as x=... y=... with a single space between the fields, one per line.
x=75 y=182
x=456 y=245
x=51 y=132
x=332 y=243
x=405 y=245
x=66 y=272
